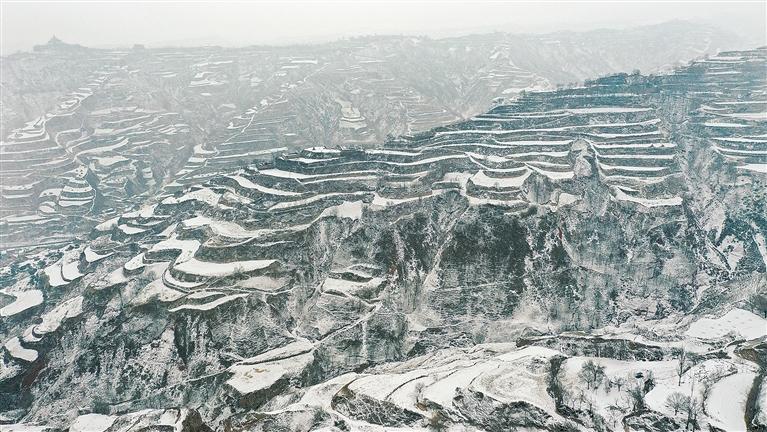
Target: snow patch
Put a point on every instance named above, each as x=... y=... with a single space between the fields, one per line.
x=738 y=321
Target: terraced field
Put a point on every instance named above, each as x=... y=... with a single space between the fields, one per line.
x=446 y=277
x=733 y=109
x=135 y=123
x=536 y=152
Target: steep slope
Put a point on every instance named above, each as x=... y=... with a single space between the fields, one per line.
x=137 y=122
x=459 y=277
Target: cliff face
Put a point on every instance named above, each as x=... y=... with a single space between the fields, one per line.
x=457 y=278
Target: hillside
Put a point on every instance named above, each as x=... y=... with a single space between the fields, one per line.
x=91 y=133
x=458 y=278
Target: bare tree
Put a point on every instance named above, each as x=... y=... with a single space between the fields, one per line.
x=677 y=402
x=636 y=395
x=592 y=374
x=615 y=413
x=681 y=365
x=619 y=382
x=692 y=409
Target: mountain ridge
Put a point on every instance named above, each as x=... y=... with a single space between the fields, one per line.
x=456 y=278
x=122 y=126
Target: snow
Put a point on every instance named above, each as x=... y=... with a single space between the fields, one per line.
x=274 y=172
x=481 y=179
x=156 y=291
x=322 y=149
x=741 y=322
x=113 y=278
x=519 y=379
x=92 y=256
x=187 y=247
x=751 y=102
x=53 y=272
x=205 y=268
x=262 y=283
x=397 y=388
x=210 y=305
x=311 y=161
x=636 y=156
x=606 y=110
x=204 y=195
x=22 y=219
x=713 y=219
x=733 y=250
x=761 y=415
x=392 y=152
x=760 y=116
x=130 y=230
x=170 y=420
x=249 y=378
x=642 y=145
x=315 y=198
x=20 y=427
x=13 y=345
x=425 y=161
x=726 y=404
x=724 y=125
x=474 y=201
x=174 y=283
x=135 y=263
x=625 y=135
x=224 y=228
x=383 y=202
x=553 y=175
x=244 y=182
x=144 y=212
x=342 y=179
x=631 y=168
x=350 y=287
x=168 y=231
x=74 y=203
x=321 y=395
x=554 y=154
x=515 y=376
x=92 y=423
x=299 y=346
x=24 y=300
x=760 y=168
x=29 y=335
x=556 y=129
x=52 y=320
x=741 y=140
x=526 y=143
x=646 y=202
x=663 y=372
x=108 y=225
x=565 y=199
x=69 y=267
x=724 y=151
x=349 y=210
x=203 y=294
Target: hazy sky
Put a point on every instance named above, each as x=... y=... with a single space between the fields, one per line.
x=123 y=23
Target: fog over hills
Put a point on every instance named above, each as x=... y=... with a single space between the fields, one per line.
x=238 y=24
x=489 y=232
